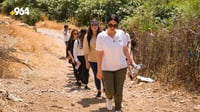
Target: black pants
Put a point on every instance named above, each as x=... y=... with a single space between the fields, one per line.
x=83 y=72
x=66 y=42
x=76 y=73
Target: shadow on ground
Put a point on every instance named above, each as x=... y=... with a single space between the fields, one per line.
x=103 y=109
x=63 y=58
x=86 y=102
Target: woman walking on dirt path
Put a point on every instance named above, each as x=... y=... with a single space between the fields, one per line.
x=70 y=47
x=90 y=52
x=79 y=58
x=113 y=58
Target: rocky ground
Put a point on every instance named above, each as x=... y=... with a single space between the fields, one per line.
x=50 y=85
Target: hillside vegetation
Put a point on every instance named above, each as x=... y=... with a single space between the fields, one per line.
x=167 y=32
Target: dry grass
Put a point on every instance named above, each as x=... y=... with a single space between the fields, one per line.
x=3 y=67
x=28 y=40
x=31 y=41
x=32 y=48
x=53 y=25
x=5 y=44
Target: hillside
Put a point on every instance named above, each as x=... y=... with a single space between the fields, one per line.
x=41 y=80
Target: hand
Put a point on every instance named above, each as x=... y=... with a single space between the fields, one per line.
x=68 y=57
x=132 y=65
x=78 y=63
x=73 y=61
x=88 y=65
x=131 y=76
x=100 y=75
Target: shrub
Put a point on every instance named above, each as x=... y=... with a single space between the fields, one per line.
x=33 y=17
x=172 y=55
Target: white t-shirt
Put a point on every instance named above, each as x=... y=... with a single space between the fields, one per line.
x=113 y=58
x=77 y=50
x=66 y=35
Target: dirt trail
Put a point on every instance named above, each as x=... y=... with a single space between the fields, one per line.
x=57 y=34
x=51 y=88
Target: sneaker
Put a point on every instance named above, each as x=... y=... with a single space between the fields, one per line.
x=118 y=111
x=98 y=94
x=118 y=108
x=87 y=88
x=78 y=84
x=109 y=104
x=122 y=105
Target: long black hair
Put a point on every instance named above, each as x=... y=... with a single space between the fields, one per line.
x=81 y=37
x=72 y=36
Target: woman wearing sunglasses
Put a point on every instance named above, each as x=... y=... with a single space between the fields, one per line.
x=70 y=48
x=80 y=60
x=112 y=59
x=89 y=46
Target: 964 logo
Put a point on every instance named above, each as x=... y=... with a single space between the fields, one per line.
x=20 y=11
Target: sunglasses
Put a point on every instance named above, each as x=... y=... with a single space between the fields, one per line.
x=94 y=23
x=75 y=33
x=113 y=25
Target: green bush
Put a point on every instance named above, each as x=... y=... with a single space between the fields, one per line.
x=190 y=9
x=33 y=17
x=8 y=5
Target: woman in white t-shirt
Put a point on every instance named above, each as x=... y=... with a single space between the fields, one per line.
x=112 y=59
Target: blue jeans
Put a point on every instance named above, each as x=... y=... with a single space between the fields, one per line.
x=94 y=69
